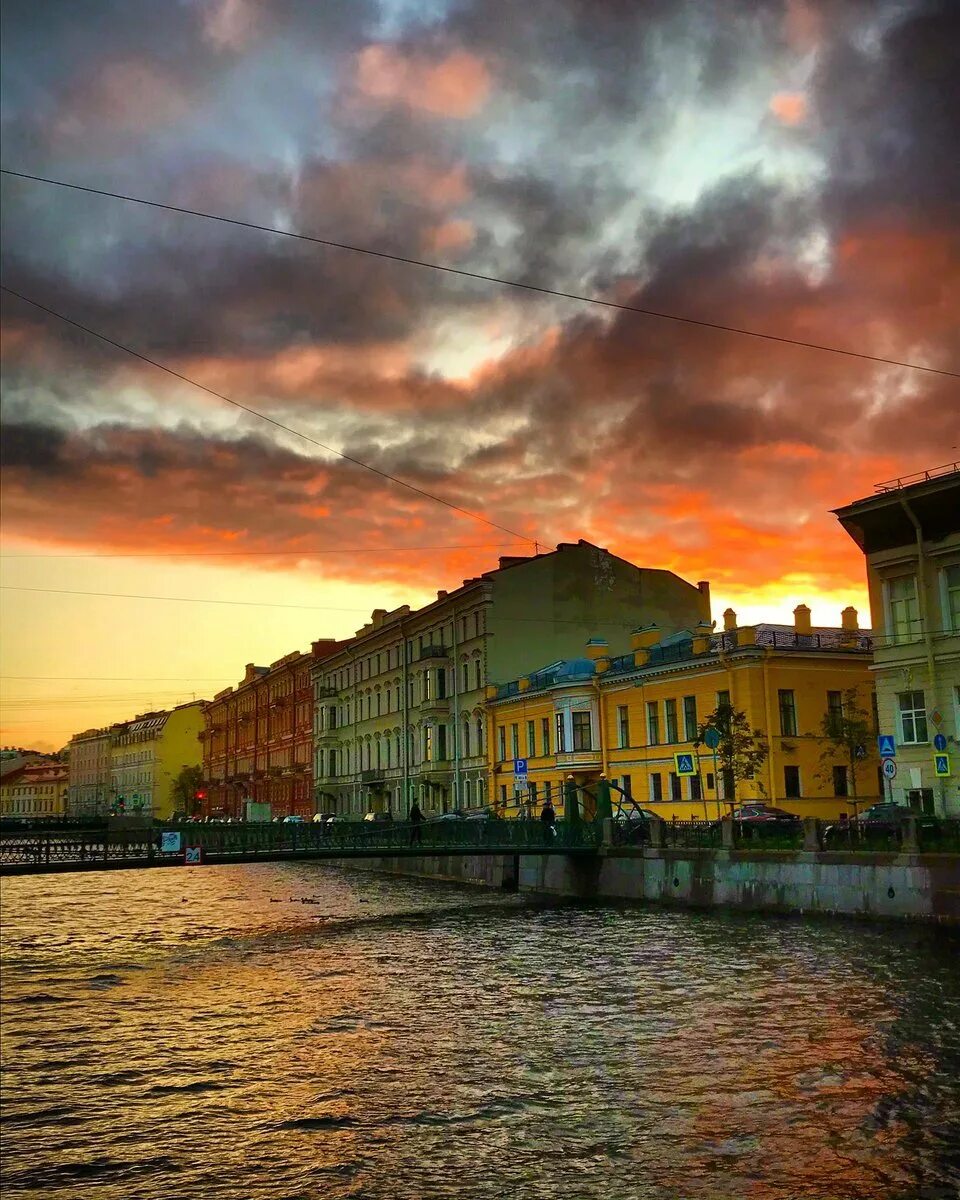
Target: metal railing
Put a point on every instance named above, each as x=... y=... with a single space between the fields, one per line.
x=252 y=841
x=895 y=485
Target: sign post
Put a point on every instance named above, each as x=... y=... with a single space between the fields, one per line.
x=711 y=740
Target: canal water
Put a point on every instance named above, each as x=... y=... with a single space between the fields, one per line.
x=291 y=1030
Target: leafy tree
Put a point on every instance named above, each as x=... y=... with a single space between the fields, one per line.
x=848 y=733
x=185 y=786
x=742 y=750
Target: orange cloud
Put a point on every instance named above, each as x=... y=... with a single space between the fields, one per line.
x=790 y=108
x=128 y=95
x=456 y=86
x=450 y=236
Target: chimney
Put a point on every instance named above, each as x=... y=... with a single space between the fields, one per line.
x=849 y=619
x=801 y=620
x=729 y=620
x=442 y=595
x=597 y=648
x=644 y=636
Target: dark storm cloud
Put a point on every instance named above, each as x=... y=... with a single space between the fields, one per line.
x=34 y=448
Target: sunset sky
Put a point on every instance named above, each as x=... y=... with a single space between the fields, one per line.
x=786 y=166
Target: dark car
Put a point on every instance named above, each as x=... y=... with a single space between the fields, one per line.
x=637 y=821
x=757 y=820
x=882 y=820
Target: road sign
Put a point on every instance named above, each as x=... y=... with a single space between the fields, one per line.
x=192 y=856
x=171 y=843
x=520 y=770
x=887 y=744
x=711 y=738
x=889 y=768
x=860 y=753
x=940 y=743
x=941 y=764
x=685 y=764
x=937 y=717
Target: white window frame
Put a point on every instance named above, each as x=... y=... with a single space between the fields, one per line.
x=913 y=714
x=950 y=623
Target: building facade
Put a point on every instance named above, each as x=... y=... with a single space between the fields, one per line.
x=400 y=708
x=147 y=755
x=627 y=716
x=909 y=532
x=88 y=791
x=34 y=791
x=258 y=742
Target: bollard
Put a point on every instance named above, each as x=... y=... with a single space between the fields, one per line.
x=910 y=842
x=726 y=833
x=811 y=834
x=656 y=834
x=607 y=826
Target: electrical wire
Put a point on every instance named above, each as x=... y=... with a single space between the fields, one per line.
x=479 y=275
x=268 y=553
x=263 y=417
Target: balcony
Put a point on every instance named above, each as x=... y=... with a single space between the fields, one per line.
x=373 y=777
x=434 y=654
x=437 y=707
x=327 y=693
x=575 y=759
x=328 y=738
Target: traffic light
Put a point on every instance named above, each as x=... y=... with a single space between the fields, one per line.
x=200 y=795
x=121 y=805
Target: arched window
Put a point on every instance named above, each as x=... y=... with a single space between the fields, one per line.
x=466 y=793
x=465 y=746
x=478 y=672
x=480 y=739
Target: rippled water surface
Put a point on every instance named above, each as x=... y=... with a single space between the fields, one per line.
x=291 y=1030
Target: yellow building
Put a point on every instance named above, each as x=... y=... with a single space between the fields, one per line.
x=628 y=716
x=36 y=789
x=147 y=755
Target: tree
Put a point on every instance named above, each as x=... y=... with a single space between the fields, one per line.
x=742 y=750
x=848 y=732
x=185 y=787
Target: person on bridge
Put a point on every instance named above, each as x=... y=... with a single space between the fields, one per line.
x=416 y=825
x=548 y=818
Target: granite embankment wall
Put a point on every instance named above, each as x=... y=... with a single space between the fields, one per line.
x=902 y=886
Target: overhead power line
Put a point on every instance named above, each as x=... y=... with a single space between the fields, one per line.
x=263 y=417
x=541 y=289
x=7 y=587
x=267 y=553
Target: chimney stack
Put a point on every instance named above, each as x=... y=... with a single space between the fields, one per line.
x=801 y=620
x=729 y=620
x=849 y=619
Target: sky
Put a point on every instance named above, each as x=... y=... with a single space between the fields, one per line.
x=784 y=166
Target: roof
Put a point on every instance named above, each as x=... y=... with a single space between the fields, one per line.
x=883 y=521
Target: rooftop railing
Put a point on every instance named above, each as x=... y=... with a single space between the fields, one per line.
x=903 y=481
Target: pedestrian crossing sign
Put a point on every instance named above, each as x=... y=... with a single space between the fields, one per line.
x=685 y=764
x=941 y=763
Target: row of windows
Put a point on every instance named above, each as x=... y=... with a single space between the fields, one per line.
x=470 y=625
x=436 y=683
x=33 y=806
x=427 y=745
x=904 y=622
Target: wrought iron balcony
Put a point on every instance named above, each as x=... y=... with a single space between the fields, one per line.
x=436 y=654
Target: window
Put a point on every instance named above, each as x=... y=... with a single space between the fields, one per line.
x=515 y=740
x=723 y=699
x=581 y=731
x=696 y=791
x=426 y=686
x=656 y=786
x=951 y=595
x=904 y=608
x=913 y=717
x=676 y=786
x=503 y=793
x=561 y=734
x=788 y=712
x=623 y=725
x=545 y=736
x=502 y=742
x=441 y=743
x=653 y=723
x=479 y=735
x=835 y=717
x=532 y=789
x=531 y=740
x=791 y=783
x=465 y=677
x=627 y=784
x=689 y=718
x=710 y=781
x=670 y=720
x=465 y=737
x=477 y=673
x=840 y=787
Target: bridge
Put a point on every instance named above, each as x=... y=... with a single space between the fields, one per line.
x=52 y=851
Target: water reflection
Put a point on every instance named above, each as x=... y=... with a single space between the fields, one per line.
x=291 y=1030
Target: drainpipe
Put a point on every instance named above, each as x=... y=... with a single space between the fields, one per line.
x=768 y=716
x=352 y=702
x=456 y=717
x=601 y=728
x=405 y=733
x=924 y=622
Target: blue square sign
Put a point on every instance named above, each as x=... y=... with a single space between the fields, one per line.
x=520 y=768
x=887 y=745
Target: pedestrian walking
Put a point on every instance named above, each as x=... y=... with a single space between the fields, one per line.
x=548 y=818
x=416 y=825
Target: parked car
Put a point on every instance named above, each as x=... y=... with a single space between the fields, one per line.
x=378 y=816
x=757 y=820
x=882 y=818
x=293 y=819
x=637 y=822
